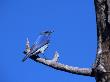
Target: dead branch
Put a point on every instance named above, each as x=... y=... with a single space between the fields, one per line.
x=56 y=65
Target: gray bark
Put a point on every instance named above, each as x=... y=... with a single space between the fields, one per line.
x=101 y=68
x=102 y=64
x=63 y=67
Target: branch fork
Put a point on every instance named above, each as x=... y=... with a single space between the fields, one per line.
x=56 y=65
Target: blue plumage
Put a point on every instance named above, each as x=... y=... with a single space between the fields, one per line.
x=40 y=45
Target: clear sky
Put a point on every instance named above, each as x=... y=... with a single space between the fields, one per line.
x=74 y=38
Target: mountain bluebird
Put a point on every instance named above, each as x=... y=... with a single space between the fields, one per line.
x=40 y=45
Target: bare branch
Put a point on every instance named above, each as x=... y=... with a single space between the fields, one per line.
x=54 y=64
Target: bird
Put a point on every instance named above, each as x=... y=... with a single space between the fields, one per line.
x=40 y=45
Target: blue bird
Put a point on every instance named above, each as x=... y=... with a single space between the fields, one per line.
x=40 y=45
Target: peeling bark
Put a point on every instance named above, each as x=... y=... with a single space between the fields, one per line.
x=102 y=64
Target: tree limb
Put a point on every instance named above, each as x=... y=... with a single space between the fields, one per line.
x=56 y=65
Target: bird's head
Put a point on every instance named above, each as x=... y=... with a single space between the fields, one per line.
x=48 y=32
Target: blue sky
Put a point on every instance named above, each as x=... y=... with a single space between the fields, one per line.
x=74 y=38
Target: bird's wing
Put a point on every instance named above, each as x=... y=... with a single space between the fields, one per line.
x=40 y=42
x=42 y=49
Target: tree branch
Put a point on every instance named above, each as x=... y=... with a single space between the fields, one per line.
x=54 y=64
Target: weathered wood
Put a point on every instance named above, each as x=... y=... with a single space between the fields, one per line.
x=63 y=67
x=102 y=65
x=56 y=65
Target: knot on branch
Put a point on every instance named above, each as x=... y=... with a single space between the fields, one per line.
x=56 y=56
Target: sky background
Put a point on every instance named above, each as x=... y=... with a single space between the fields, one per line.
x=74 y=37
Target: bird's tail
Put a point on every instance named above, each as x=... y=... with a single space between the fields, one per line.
x=25 y=58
